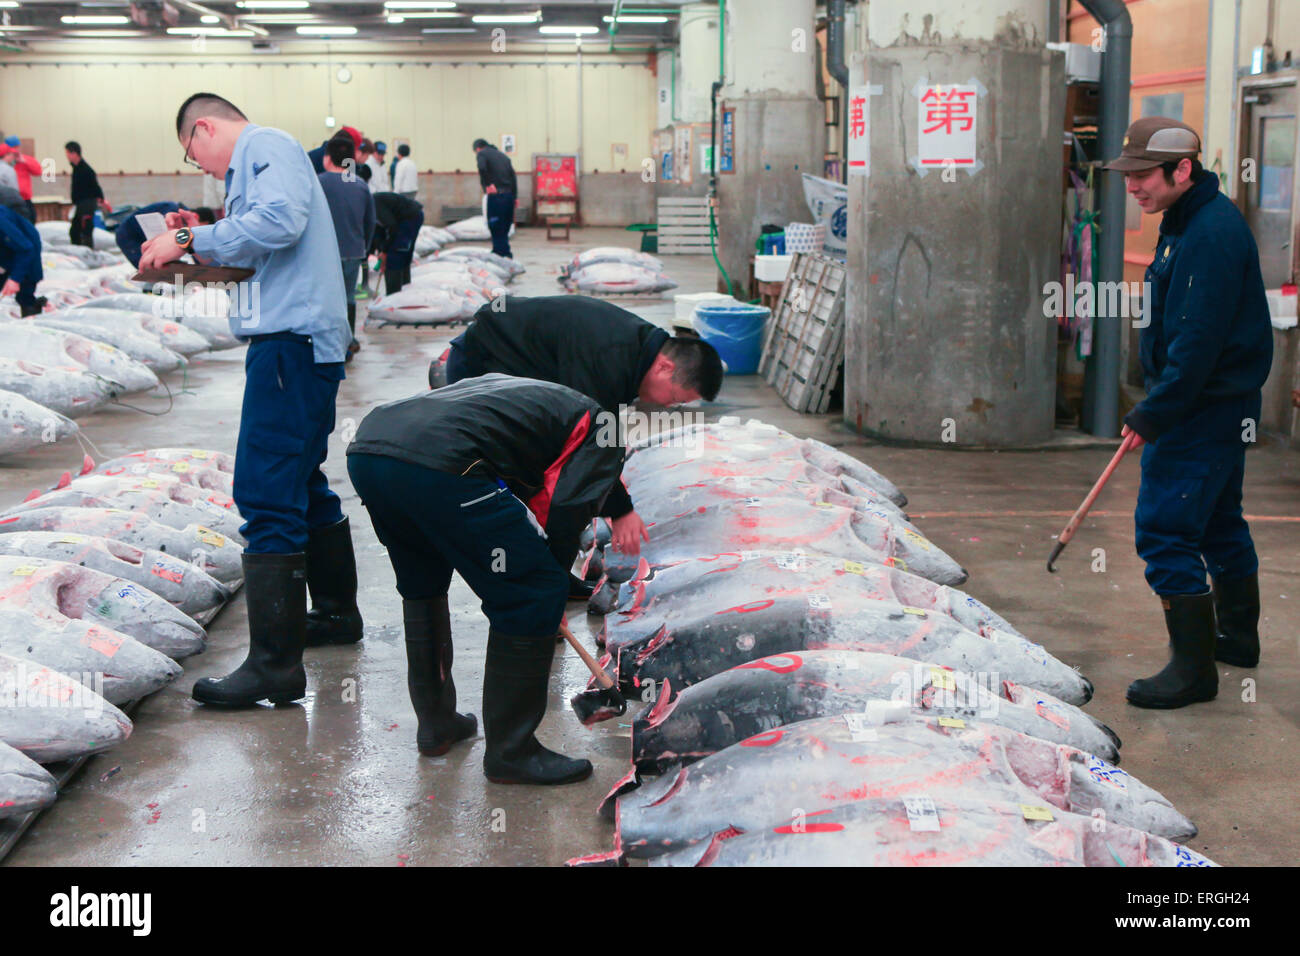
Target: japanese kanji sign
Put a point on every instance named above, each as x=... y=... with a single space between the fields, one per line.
x=860 y=128
x=946 y=125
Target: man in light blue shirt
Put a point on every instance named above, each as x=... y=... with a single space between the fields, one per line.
x=292 y=312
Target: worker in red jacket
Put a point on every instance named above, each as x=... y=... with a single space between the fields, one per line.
x=25 y=167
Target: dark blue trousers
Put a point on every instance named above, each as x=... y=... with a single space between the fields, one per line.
x=1189 y=513
x=284 y=430
x=402 y=246
x=433 y=523
x=500 y=217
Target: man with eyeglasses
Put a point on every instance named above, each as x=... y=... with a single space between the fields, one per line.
x=292 y=313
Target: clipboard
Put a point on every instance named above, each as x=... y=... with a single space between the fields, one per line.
x=192 y=272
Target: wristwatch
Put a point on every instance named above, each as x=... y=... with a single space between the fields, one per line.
x=184 y=238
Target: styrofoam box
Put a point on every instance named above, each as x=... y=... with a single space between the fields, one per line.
x=772 y=268
x=1282 y=309
x=684 y=304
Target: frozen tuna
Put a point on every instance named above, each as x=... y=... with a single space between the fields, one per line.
x=509 y=268
x=202 y=547
x=48 y=346
x=122 y=330
x=421 y=305
x=200 y=313
x=821 y=763
x=786 y=688
x=728 y=441
x=174 y=505
x=620 y=254
x=897 y=831
x=123 y=668
x=618 y=277
x=24 y=784
x=68 y=390
x=172 y=334
x=50 y=717
x=25 y=424
x=58 y=590
x=689 y=647
x=175 y=581
x=784 y=524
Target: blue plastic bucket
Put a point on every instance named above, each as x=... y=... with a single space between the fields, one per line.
x=736 y=331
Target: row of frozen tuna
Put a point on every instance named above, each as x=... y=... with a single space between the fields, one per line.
x=614 y=270
x=105 y=583
x=432 y=238
x=65 y=363
x=447 y=286
x=823 y=694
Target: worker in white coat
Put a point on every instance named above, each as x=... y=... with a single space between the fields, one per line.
x=405 y=180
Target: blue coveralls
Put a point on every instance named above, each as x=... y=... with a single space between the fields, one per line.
x=500 y=217
x=293 y=313
x=20 y=255
x=1205 y=357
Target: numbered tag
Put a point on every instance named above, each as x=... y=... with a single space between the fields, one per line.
x=72 y=539
x=149 y=483
x=208 y=536
x=104 y=348
x=855 y=567
x=913 y=610
x=25 y=570
x=1036 y=813
x=819 y=602
x=181 y=466
x=791 y=561
x=941 y=679
x=956 y=723
x=168 y=570
x=860 y=728
x=919 y=540
x=200 y=454
x=922 y=816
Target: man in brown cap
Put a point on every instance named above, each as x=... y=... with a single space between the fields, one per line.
x=1205 y=355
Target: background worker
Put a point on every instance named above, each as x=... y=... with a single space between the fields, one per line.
x=1205 y=356
x=317 y=155
x=353 y=211
x=20 y=261
x=25 y=167
x=86 y=197
x=398 y=220
x=406 y=180
x=379 y=182
x=466 y=478
x=497 y=176
x=10 y=197
x=130 y=236
x=278 y=223
x=596 y=348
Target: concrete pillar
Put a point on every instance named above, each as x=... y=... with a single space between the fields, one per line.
x=698 y=60
x=946 y=340
x=771 y=56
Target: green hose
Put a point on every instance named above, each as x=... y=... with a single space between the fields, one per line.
x=713 y=245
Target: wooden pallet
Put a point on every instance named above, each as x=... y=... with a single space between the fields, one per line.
x=804 y=345
x=683 y=226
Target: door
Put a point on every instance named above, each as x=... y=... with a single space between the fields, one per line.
x=1270 y=114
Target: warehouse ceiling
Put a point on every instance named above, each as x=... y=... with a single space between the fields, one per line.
x=639 y=22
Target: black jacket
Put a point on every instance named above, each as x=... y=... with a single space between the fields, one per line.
x=495 y=169
x=590 y=345
x=391 y=209
x=85 y=184
x=1210 y=338
x=542 y=439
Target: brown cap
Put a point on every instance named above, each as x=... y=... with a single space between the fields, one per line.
x=1153 y=140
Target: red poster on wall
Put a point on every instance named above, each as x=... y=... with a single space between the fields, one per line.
x=555 y=176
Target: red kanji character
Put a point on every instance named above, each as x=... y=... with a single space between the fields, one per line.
x=946 y=109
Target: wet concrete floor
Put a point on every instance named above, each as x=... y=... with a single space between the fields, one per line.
x=336 y=780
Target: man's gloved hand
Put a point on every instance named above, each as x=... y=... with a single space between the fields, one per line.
x=627 y=533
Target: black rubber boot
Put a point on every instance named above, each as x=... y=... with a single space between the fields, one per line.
x=514 y=701
x=1236 y=603
x=428 y=677
x=1190 y=676
x=332 y=581
x=275 y=587
x=34 y=308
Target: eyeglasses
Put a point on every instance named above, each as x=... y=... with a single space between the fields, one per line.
x=189 y=161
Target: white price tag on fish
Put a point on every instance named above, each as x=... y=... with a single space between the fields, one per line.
x=819 y=602
x=922 y=815
x=860 y=728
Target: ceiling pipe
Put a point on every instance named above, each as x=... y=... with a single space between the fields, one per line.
x=1101 y=384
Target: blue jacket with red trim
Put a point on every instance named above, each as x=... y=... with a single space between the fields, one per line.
x=554 y=447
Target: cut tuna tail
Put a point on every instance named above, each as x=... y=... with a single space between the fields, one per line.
x=87 y=465
x=34 y=493
x=608 y=858
x=65 y=479
x=625 y=784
